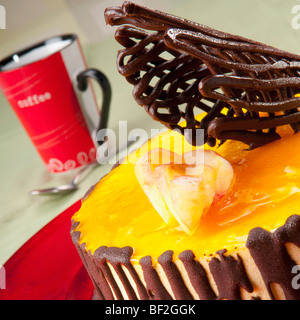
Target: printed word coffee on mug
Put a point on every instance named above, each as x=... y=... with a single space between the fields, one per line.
x=47 y=87
x=34 y=100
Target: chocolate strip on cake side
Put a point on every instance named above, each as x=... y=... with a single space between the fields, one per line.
x=272 y=257
x=115 y=277
x=180 y=68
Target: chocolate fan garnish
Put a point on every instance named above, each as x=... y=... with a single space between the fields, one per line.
x=180 y=68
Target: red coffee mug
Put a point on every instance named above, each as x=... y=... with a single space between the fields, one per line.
x=47 y=86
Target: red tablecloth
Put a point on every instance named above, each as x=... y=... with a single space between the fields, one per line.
x=48 y=267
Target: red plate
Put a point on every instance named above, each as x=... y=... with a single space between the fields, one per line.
x=48 y=267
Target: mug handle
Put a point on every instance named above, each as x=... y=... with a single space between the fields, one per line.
x=82 y=84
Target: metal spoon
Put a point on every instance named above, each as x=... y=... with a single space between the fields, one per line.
x=73 y=185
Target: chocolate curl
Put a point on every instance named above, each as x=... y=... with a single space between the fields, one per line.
x=165 y=81
x=254 y=78
x=182 y=68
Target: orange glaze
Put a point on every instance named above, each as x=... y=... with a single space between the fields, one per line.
x=264 y=194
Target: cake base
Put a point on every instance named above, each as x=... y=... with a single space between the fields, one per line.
x=263 y=269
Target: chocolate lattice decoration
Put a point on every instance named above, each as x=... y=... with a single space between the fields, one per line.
x=180 y=68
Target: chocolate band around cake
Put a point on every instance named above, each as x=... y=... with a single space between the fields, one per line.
x=115 y=276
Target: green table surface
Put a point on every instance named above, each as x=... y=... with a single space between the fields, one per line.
x=21 y=169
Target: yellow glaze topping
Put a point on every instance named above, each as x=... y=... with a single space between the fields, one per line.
x=265 y=192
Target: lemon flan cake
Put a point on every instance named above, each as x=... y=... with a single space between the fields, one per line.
x=245 y=244
x=185 y=218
